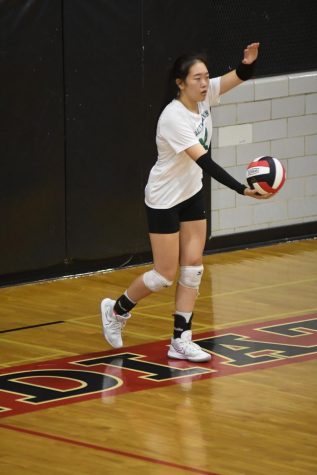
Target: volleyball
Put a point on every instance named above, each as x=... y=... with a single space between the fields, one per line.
x=266 y=175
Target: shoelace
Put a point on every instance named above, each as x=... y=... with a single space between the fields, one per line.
x=117 y=325
x=187 y=346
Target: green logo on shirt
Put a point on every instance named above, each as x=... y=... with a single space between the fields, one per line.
x=204 y=141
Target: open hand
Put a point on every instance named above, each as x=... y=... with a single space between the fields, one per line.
x=256 y=195
x=251 y=53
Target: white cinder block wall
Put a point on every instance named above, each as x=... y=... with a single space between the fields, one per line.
x=274 y=116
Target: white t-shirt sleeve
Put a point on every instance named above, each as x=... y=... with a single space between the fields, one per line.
x=214 y=91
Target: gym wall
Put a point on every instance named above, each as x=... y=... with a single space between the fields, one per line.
x=274 y=116
x=82 y=85
x=32 y=192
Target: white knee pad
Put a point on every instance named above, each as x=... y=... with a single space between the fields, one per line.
x=155 y=281
x=190 y=276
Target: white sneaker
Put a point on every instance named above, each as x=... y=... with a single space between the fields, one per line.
x=185 y=349
x=112 y=323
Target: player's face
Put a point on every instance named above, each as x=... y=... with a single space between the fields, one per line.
x=196 y=84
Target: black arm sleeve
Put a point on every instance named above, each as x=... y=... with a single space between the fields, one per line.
x=215 y=171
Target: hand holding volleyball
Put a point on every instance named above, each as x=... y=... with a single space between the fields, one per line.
x=266 y=176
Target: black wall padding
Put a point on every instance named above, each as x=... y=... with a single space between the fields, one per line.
x=104 y=126
x=32 y=209
x=286 y=30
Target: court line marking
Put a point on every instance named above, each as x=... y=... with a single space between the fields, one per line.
x=265 y=317
x=97 y=326
x=88 y=445
x=142 y=335
x=135 y=313
x=169 y=319
x=97 y=315
x=32 y=326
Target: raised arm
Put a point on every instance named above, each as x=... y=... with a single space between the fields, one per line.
x=243 y=71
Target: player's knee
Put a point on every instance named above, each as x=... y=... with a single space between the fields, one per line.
x=190 y=276
x=154 y=281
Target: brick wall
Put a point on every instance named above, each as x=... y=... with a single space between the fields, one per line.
x=274 y=116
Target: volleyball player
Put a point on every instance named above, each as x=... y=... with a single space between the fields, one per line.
x=174 y=200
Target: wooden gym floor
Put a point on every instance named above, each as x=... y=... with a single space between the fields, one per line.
x=69 y=404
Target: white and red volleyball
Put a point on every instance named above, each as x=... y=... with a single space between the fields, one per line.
x=266 y=175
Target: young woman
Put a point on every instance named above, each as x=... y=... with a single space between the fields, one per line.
x=174 y=200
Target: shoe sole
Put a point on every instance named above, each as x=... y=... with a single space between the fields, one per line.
x=178 y=356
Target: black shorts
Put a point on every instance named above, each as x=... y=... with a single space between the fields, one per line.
x=166 y=221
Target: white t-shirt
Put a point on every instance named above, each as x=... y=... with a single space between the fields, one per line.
x=175 y=177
